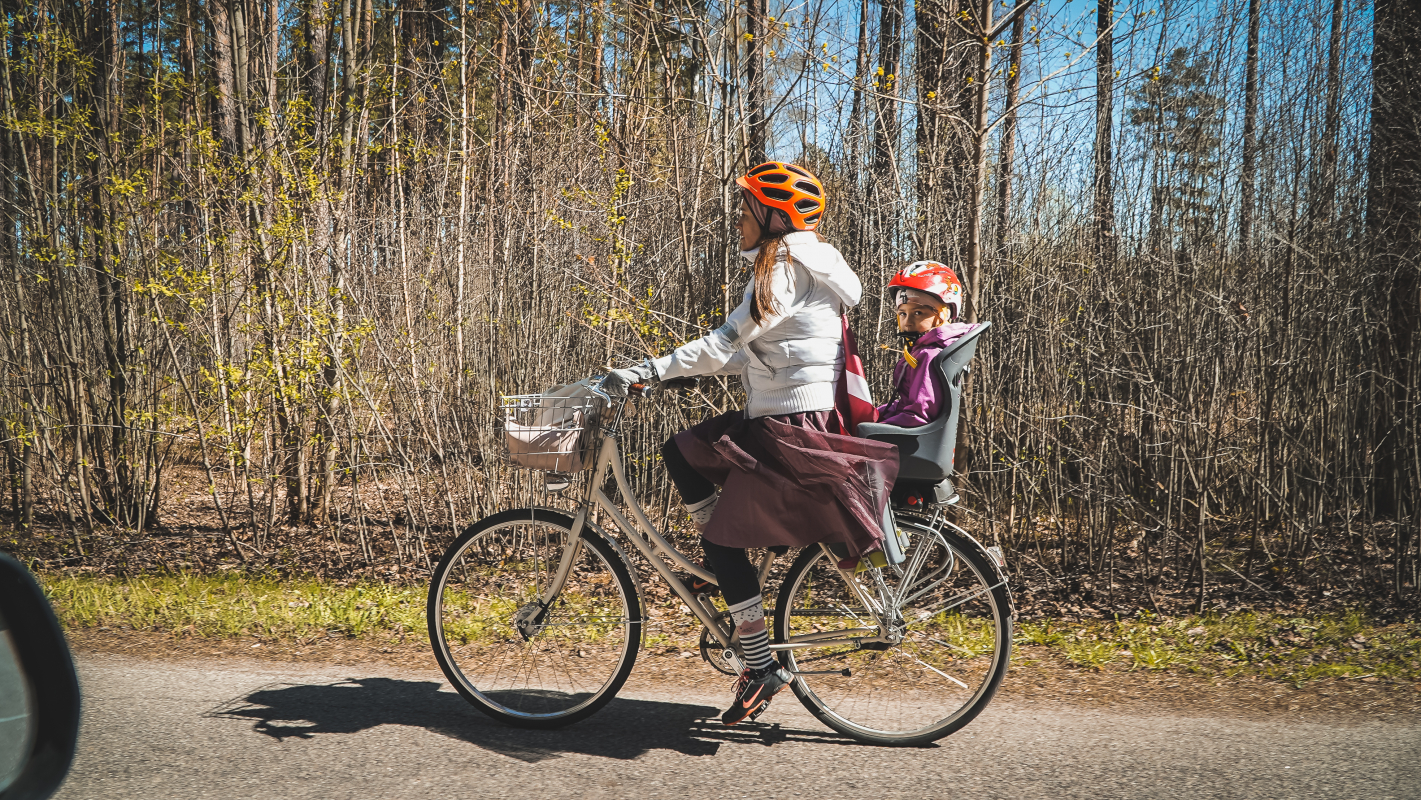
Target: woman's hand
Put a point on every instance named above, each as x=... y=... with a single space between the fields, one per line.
x=618 y=381
x=682 y=385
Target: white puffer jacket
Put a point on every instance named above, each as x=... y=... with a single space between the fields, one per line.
x=788 y=364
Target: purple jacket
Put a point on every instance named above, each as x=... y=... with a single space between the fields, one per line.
x=918 y=393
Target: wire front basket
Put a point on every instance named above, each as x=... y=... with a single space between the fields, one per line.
x=550 y=432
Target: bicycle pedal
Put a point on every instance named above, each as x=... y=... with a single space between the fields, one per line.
x=754 y=715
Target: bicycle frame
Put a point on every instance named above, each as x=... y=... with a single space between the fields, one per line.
x=654 y=547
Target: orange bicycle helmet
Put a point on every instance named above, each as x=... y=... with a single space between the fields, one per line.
x=788 y=188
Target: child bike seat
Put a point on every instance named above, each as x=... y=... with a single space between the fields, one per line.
x=925 y=453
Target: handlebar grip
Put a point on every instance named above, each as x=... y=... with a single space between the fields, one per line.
x=639 y=389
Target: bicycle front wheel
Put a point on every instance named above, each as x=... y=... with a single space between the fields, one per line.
x=947 y=608
x=510 y=655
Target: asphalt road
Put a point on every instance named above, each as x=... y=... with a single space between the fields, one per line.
x=224 y=729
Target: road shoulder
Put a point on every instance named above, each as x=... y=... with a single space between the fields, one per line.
x=1037 y=677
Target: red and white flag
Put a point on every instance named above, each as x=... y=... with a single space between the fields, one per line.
x=853 y=403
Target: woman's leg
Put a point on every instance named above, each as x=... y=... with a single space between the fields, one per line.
x=697 y=492
x=734 y=574
x=740 y=585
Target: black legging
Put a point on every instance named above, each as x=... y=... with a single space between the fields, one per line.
x=693 y=486
x=737 y=577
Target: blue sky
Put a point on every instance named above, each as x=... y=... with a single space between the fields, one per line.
x=1056 y=131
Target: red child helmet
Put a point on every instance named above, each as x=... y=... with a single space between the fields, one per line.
x=934 y=278
x=789 y=188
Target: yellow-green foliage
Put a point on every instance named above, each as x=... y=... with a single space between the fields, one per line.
x=1290 y=648
x=233 y=605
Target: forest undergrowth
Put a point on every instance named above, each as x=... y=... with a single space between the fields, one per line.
x=362 y=582
x=1141 y=576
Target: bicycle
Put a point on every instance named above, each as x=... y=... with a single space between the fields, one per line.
x=536 y=617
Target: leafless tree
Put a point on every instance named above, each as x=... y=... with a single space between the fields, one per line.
x=264 y=283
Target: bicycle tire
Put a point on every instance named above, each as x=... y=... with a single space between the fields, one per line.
x=982 y=622
x=496 y=569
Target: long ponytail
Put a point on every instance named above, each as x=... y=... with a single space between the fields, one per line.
x=762 y=301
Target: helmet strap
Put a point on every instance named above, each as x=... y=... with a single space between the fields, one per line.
x=758 y=210
x=772 y=221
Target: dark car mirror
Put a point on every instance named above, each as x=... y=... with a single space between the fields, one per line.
x=39 y=690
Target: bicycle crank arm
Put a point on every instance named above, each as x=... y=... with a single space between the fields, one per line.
x=844 y=672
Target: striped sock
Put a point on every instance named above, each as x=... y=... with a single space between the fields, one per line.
x=757 y=649
x=749 y=619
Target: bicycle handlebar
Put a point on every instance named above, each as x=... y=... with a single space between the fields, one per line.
x=635 y=390
x=645 y=390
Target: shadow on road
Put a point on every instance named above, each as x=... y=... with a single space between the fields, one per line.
x=624 y=729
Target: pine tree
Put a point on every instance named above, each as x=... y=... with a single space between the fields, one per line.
x=1182 y=114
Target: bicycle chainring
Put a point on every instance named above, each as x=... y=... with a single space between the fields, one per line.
x=714 y=654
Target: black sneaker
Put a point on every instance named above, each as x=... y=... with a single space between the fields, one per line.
x=753 y=692
x=698 y=586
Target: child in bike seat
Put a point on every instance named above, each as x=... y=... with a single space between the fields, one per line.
x=928 y=297
x=781 y=472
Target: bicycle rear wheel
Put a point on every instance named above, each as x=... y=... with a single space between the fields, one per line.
x=955 y=624
x=509 y=656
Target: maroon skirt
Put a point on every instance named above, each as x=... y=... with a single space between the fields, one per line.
x=788 y=481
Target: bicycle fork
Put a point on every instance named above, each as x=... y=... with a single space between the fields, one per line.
x=642 y=534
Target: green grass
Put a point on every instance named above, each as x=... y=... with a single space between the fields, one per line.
x=1295 y=649
x=227 y=606
x=1280 y=647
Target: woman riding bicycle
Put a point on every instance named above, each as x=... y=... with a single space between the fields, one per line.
x=789 y=477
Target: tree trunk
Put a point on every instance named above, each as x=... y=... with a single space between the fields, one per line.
x=241 y=67
x=858 y=138
x=332 y=255
x=1004 y=175
x=224 y=70
x=979 y=168
x=1324 y=186
x=1393 y=230
x=858 y=131
x=756 y=90
x=1104 y=122
x=881 y=231
x=316 y=20
x=117 y=483
x=1249 y=177
x=885 y=86
x=942 y=150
